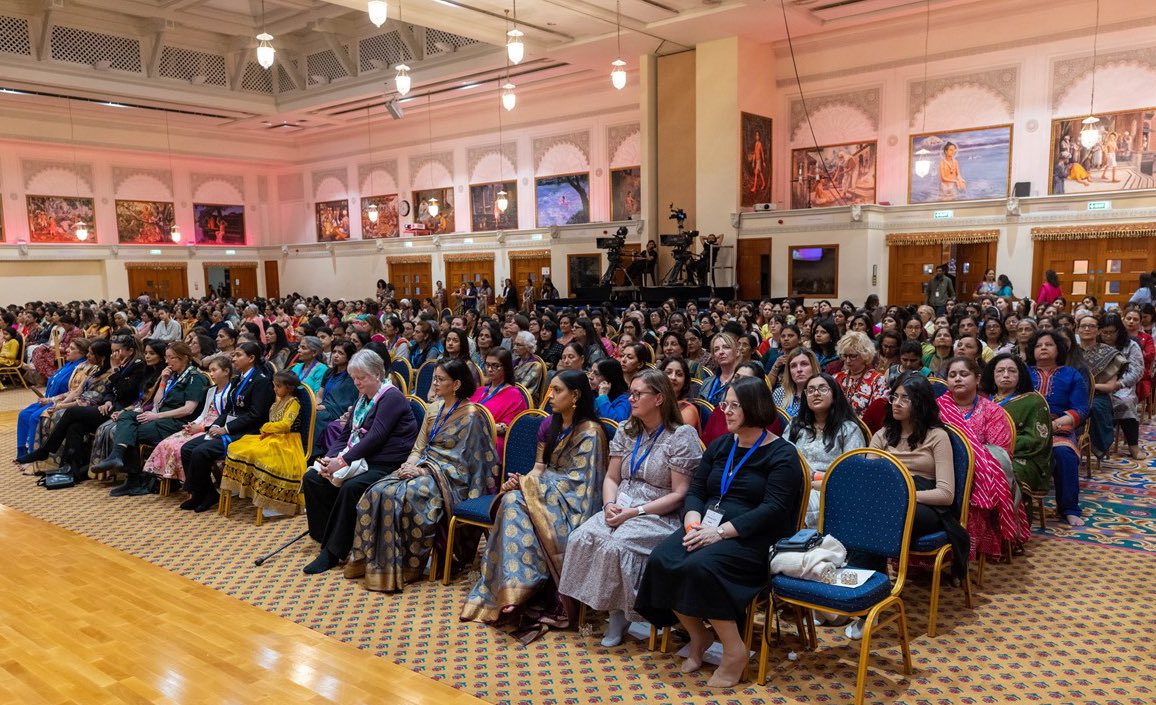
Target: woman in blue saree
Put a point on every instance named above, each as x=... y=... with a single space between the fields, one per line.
x=338 y=395
x=537 y=513
x=1066 y=391
x=54 y=391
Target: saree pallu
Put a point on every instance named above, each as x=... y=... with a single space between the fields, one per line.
x=1032 y=456
x=531 y=374
x=525 y=549
x=399 y=522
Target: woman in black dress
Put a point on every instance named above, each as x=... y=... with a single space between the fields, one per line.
x=743 y=498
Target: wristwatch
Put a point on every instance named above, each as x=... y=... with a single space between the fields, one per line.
x=641 y=510
x=721 y=535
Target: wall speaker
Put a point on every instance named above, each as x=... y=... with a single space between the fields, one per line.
x=394 y=109
x=1022 y=189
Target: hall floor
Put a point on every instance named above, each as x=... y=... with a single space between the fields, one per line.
x=83 y=621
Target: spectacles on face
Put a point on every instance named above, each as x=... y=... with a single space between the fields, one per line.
x=897 y=400
x=818 y=391
x=1089 y=326
x=493 y=365
x=635 y=396
x=849 y=356
x=725 y=406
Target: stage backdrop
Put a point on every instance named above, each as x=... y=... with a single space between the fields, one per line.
x=966 y=165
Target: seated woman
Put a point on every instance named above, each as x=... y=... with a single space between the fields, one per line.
x=652 y=457
x=712 y=567
x=1066 y=390
x=910 y=360
x=528 y=370
x=176 y=401
x=1007 y=381
x=913 y=432
x=13 y=342
x=994 y=515
x=677 y=370
x=165 y=460
x=573 y=357
x=403 y=516
x=824 y=335
x=944 y=346
x=269 y=466
x=1124 y=400
x=634 y=359
x=338 y=394
x=607 y=381
x=502 y=399
x=537 y=513
x=824 y=429
x=201 y=346
x=309 y=368
x=75 y=370
x=153 y=356
x=457 y=346
x=724 y=349
x=226 y=340
x=864 y=387
x=800 y=365
x=61 y=335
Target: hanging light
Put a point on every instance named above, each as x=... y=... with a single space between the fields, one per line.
x=1090 y=136
x=922 y=162
x=378 y=12
x=923 y=155
x=175 y=234
x=503 y=201
x=618 y=73
x=509 y=99
x=371 y=213
x=81 y=231
x=402 y=79
x=265 y=50
x=515 y=49
x=433 y=207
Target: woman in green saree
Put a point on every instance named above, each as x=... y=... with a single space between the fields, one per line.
x=400 y=517
x=537 y=513
x=1007 y=381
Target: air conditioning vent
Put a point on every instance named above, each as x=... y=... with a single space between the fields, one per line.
x=14 y=37
x=439 y=42
x=80 y=46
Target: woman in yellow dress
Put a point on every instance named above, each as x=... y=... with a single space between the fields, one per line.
x=269 y=466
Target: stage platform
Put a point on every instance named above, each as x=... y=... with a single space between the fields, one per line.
x=652 y=295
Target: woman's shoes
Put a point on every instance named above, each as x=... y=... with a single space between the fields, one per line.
x=323 y=562
x=37 y=456
x=854 y=630
x=354 y=569
x=616 y=630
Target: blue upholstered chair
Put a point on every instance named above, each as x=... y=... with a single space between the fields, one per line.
x=521 y=453
x=531 y=403
x=868 y=503
x=401 y=366
x=418 y=407
x=609 y=427
x=938 y=386
x=705 y=409
x=424 y=379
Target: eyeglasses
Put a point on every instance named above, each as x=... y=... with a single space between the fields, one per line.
x=493 y=365
x=817 y=391
x=725 y=406
x=849 y=356
x=635 y=396
x=1089 y=326
x=897 y=400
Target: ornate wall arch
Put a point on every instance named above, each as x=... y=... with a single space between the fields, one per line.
x=57 y=178
x=488 y=163
x=624 y=145
x=377 y=178
x=1120 y=85
x=330 y=185
x=217 y=188
x=562 y=154
x=834 y=123
x=142 y=184
x=966 y=105
x=431 y=174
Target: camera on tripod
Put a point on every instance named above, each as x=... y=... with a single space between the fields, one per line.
x=614 y=242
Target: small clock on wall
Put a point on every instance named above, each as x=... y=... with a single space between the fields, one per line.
x=403 y=208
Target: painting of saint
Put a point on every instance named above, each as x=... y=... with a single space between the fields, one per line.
x=835 y=175
x=755 y=160
x=626 y=194
x=387 y=217
x=53 y=219
x=562 y=200
x=1122 y=157
x=144 y=222
x=441 y=223
x=332 y=221
x=964 y=165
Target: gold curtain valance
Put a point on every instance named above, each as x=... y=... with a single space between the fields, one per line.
x=470 y=257
x=529 y=254
x=950 y=237
x=155 y=265
x=232 y=265
x=409 y=259
x=1095 y=232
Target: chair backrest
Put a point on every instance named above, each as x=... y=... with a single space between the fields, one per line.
x=401 y=366
x=490 y=418
x=521 y=450
x=542 y=378
x=866 y=431
x=424 y=380
x=963 y=460
x=704 y=372
x=399 y=381
x=307 y=418
x=1012 y=433
x=526 y=396
x=806 y=499
x=938 y=386
x=609 y=427
x=783 y=416
x=694 y=388
x=418 y=407
x=705 y=409
x=868 y=503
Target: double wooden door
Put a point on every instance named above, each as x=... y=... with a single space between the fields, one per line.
x=524 y=267
x=1107 y=268
x=168 y=281
x=411 y=279
x=912 y=266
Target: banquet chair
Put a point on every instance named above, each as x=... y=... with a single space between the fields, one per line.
x=609 y=427
x=868 y=504
x=705 y=409
x=526 y=396
x=399 y=381
x=401 y=366
x=418 y=407
x=424 y=379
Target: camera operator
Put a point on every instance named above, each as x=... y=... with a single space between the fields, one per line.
x=646 y=263
x=706 y=261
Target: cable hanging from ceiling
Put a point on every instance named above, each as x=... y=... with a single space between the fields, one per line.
x=618 y=72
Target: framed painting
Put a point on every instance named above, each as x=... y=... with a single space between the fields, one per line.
x=332 y=221
x=813 y=271
x=755 y=160
x=388 y=220
x=144 y=222
x=484 y=213
x=54 y=218
x=562 y=200
x=218 y=225
x=443 y=222
x=584 y=270
x=1124 y=159
x=965 y=165
x=834 y=175
x=626 y=193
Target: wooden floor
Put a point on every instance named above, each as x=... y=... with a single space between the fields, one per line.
x=82 y=623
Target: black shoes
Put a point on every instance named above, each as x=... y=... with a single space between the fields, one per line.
x=209 y=502
x=37 y=456
x=190 y=503
x=115 y=461
x=323 y=562
x=130 y=488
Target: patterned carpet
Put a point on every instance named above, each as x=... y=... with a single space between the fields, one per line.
x=1069 y=622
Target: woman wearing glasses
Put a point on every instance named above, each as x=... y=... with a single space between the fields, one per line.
x=652 y=458
x=824 y=428
x=862 y=385
x=743 y=497
x=501 y=398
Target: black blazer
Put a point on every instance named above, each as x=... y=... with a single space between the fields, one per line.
x=250 y=407
x=125 y=384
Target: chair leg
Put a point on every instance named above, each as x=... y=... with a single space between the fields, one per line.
x=166 y=486
x=1043 y=517
x=260 y=520
x=936 y=578
x=434 y=563
x=581 y=614
x=449 y=550
x=864 y=654
x=653 y=640
x=979 y=572
x=223 y=504
x=967 y=599
x=904 y=642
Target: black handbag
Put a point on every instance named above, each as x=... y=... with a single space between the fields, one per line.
x=57 y=481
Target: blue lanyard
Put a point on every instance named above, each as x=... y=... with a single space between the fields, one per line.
x=219 y=398
x=494 y=393
x=1005 y=400
x=244 y=381
x=635 y=462
x=731 y=470
x=793 y=407
x=306 y=370
x=441 y=421
x=714 y=389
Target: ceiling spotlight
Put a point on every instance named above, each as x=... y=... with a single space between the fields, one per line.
x=378 y=12
x=509 y=100
x=265 y=50
x=618 y=73
x=402 y=79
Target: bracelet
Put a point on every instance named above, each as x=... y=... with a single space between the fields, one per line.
x=691 y=526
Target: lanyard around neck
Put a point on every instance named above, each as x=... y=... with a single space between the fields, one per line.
x=636 y=462
x=731 y=470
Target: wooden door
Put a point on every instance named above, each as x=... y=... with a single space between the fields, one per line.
x=908 y=272
x=976 y=258
x=523 y=267
x=1108 y=268
x=753 y=268
x=411 y=279
x=472 y=270
x=272 y=280
x=166 y=282
x=244 y=281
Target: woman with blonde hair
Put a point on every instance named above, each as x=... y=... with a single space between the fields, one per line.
x=800 y=365
x=862 y=385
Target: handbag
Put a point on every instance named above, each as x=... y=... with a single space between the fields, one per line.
x=57 y=481
x=352 y=470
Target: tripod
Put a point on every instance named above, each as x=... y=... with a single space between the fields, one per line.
x=613 y=266
x=678 y=272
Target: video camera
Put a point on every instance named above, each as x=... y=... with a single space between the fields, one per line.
x=682 y=239
x=614 y=242
x=677 y=214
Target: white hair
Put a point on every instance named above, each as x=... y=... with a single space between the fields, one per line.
x=369 y=363
x=525 y=337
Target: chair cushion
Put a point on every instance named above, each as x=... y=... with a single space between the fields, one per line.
x=476 y=509
x=857 y=599
x=929 y=542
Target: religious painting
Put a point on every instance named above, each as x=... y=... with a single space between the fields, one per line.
x=834 y=175
x=1123 y=157
x=562 y=200
x=484 y=212
x=965 y=165
x=441 y=223
x=813 y=271
x=144 y=222
x=388 y=220
x=332 y=221
x=626 y=194
x=54 y=218
x=584 y=270
x=218 y=225
x=755 y=160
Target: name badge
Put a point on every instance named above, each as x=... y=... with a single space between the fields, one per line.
x=230 y=418
x=713 y=518
x=623 y=500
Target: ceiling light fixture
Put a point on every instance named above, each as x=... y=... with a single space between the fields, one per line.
x=402 y=80
x=80 y=229
x=371 y=210
x=378 y=12
x=515 y=49
x=923 y=155
x=618 y=72
x=509 y=98
x=432 y=206
x=503 y=198
x=265 y=51
x=1090 y=136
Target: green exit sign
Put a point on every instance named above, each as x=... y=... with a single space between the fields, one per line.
x=942 y=214
x=1099 y=205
